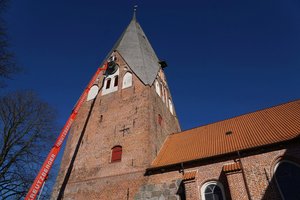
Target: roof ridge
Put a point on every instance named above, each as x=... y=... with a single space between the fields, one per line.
x=247 y=113
x=262 y=128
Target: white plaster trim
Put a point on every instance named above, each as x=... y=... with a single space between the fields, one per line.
x=127 y=80
x=157 y=88
x=93 y=92
x=112 y=88
x=171 y=106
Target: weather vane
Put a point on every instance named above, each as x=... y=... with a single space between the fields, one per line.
x=134 y=10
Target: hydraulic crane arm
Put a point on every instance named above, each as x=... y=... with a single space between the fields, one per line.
x=44 y=171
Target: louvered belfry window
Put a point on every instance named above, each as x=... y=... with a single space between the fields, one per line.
x=116 y=154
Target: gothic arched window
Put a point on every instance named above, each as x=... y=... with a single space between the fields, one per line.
x=93 y=92
x=171 y=106
x=116 y=154
x=287 y=175
x=162 y=92
x=157 y=88
x=111 y=83
x=212 y=190
x=127 y=80
x=166 y=97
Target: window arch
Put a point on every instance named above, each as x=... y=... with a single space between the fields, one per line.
x=93 y=92
x=171 y=106
x=162 y=92
x=287 y=175
x=157 y=87
x=166 y=97
x=212 y=190
x=116 y=154
x=111 y=83
x=127 y=80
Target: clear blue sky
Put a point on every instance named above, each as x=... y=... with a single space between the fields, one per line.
x=225 y=58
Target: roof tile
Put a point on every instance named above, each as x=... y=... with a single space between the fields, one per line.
x=189 y=175
x=263 y=127
x=232 y=167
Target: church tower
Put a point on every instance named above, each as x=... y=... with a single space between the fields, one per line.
x=121 y=126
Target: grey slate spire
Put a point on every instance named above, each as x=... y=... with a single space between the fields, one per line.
x=137 y=51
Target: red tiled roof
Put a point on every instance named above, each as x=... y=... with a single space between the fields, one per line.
x=189 y=175
x=232 y=167
x=263 y=127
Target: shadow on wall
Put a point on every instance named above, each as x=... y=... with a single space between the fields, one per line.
x=181 y=191
x=284 y=181
x=223 y=180
x=71 y=165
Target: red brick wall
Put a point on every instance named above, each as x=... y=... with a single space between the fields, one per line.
x=258 y=169
x=191 y=190
x=236 y=186
x=136 y=109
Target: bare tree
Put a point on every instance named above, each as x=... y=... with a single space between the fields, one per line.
x=26 y=126
x=7 y=65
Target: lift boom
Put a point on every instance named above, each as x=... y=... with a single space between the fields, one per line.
x=44 y=171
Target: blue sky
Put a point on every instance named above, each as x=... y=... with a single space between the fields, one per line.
x=225 y=58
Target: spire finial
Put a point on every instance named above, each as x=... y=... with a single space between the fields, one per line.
x=134 y=11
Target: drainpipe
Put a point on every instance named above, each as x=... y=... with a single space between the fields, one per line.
x=244 y=176
x=181 y=169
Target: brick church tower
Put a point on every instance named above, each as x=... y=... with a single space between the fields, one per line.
x=121 y=126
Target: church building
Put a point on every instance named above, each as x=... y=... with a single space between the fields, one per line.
x=126 y=142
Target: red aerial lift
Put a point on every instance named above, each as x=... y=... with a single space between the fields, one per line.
x=110 y=67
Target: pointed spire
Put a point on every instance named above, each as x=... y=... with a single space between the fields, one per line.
x=137 y=51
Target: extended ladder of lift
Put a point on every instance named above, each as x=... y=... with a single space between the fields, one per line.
x=44 y=171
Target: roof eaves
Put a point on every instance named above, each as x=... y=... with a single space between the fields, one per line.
x=297 y=101
x=212 y=157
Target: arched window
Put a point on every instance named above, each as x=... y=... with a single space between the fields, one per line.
x=157 y=89
x=116 y=154
x=287 y=175
x=127 y=80
x=212 y=190
x=171 y=106
x=162 y=92
x=93 y=92
x=111 y=83
x=116 y=81
x=166 y=97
